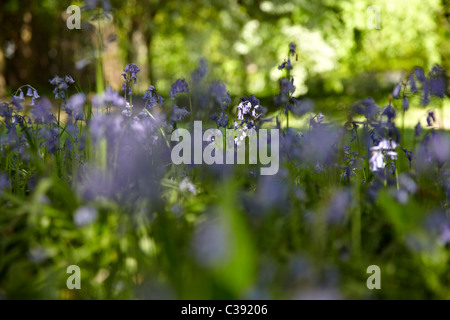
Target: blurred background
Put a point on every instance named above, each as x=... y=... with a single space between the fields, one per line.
x=340 y=58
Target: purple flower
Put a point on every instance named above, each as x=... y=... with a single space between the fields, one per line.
x=200 y=72
x=289 y=65
x=420 y=75
x=61 y=86
x=219 y=91
x=4 y=183
x=389 y=111
x=418 y=130
x=178 y=114
x=412 y=83
x=152 y=98
x=74 y=106
x=41 y=113
x=84 y=216
x=109 y=97
x=405 y=104
x=437 y=81
x=301 y=107
x=292 y=47
x=129 y=74
x=179 y=86
x=282 y=66
x=287 y=86
x=396 y=91
x=16 y=103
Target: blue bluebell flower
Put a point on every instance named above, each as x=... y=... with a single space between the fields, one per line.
x=41 y=113
x=287 y=86
x=389 y=111
x=74 y=106
x=292 y=47
x=289 y=65
x=200 y=72
x=282 y=66
x=405 y=104
x=418 y=130
x=179 y=86
x=412 y=83
x=437 y=81
x=178 y=114
x=152 y=98
x=129 y=74
x=396 y=91
x=108 y=97
x=219 y=91
x=420 y=74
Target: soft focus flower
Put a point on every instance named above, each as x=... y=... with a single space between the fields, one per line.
x=84 y=216
x=179 y=86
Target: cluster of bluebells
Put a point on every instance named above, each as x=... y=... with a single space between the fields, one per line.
x=417 y=82
x=218 y=91
x=249 y=111
x=61 y=86
x=108 y=98
x=152 y=98
x=287 y=63
x=20 y=97
x=130 y=76
x=179 y=86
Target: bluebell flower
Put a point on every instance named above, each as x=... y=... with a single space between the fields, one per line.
x=301 y=107
x=371 y=110
x=425 y=93
x=292 y=47
x=74 y=106
x=84 y=216
x=200 y=72
x=287 y=86
x=420 y=74
x=405 y=104
x=389 y=111
x=4 y=183
x=50 y=137
x=41 y=113
x=152 y=98
x=129 y=74
x=69 y=80
x=418 y=130
x=282 y=66
x=108 y=97
x=396 y=91
x=34 y=97
x=437 y=81
x=409 y=156
x=179 y=86
x=178 y=114
x=29 y=92
x=289 y=65
x=219 y=91
x=16 y=103
x=412 y=83
x=61 y=86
